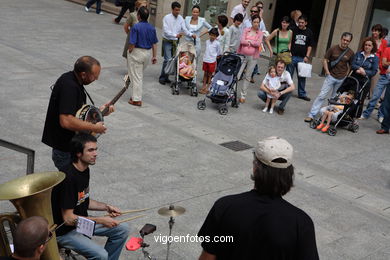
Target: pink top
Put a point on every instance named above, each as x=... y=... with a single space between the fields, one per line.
x=253 y=48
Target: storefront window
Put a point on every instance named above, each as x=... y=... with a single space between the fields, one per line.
x=209 y=9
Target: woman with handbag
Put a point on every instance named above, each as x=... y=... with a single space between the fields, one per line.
x=283 y=37
x=250 y=43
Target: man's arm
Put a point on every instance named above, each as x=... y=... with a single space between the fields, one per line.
x=325 y=65
x=308 y=52
x=72 y=123
x=206 y=256
x=70 y=219
x=131 y=47
x=154 y=53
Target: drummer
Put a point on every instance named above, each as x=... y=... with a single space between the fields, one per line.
x=67 y=97
x=71 y=200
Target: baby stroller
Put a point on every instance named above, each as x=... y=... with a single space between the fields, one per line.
x=347 y=118
x=187 y=49
x=223 y=86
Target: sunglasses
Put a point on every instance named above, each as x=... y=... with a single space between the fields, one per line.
x=254 y=11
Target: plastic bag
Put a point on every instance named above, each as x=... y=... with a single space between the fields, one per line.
x=170 y=69
x=304 y=69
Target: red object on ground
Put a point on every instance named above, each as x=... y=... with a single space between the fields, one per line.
x=134 y=243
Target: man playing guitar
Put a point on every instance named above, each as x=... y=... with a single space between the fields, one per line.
x=67 y=97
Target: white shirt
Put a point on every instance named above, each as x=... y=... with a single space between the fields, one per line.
x=234 y=38
x=248 y=23
x=172 y=26
x=239 y=9
x=285 y=77
x=213 y=49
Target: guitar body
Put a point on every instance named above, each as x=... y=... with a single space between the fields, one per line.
x=93 y=114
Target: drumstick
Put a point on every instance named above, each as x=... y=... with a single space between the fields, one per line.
x=128 y=219
x=130 y=211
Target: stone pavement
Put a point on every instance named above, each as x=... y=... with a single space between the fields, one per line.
x=168 y=151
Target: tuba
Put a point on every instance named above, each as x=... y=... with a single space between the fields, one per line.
x=31 y=195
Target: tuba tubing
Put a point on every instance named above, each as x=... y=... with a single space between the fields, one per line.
x=31 y=196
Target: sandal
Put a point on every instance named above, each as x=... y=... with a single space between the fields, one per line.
x=320 y=126
x=325 y=129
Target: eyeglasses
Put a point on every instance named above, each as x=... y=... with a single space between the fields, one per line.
x=50 y=236
x=254 y=11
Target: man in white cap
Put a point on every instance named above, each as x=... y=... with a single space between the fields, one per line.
x=259 y=224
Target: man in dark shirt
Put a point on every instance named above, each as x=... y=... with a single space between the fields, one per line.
x=71 y=200
x=335 y=72
x=259 y=224
x=301 y=46
x=143 y=37
x=30 y=239
x=67 y=97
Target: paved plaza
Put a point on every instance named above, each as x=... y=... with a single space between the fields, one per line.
x=169 y=152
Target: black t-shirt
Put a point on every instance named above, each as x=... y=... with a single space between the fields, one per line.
x=301 y=40
x=261 y=228
x=67 y=97
x=72 y=193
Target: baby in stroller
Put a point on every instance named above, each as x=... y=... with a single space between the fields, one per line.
x=186 y=68
x=331 y=112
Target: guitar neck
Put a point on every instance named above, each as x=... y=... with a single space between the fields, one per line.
x=114 y=100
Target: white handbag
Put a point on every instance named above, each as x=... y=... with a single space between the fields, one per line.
x=304 y=69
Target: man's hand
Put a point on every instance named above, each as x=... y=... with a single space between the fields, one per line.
x=99 y=128
x=154 y=60
x=111 y=109
x=179 y=35
x=108 y=222
x=113 y=211
x=194 y=36
x=306 y=59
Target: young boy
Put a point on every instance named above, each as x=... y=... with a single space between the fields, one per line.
x=233 y=41
x=213 y=49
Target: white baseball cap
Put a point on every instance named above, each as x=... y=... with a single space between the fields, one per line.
x=272 y=148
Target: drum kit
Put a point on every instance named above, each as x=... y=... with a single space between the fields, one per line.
x=135 y=242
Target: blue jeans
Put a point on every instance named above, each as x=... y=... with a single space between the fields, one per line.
x=98 y=5
x=167 y=47
x=386 y=109
x=60 y=158
x=330 y=85
x=301 y=81
x=84 y=246
x=284 y=98
x=383 y=82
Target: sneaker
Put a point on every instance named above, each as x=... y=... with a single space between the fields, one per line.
x=86 y=9
x=271 y=111
x=265 y=109
x=308 y=119
x=306 y=98
x=100 y=12
x=380 y=119
x=280 y=111
x=382 y=131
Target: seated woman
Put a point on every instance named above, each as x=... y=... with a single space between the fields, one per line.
x=186 y=68
x=331 y=112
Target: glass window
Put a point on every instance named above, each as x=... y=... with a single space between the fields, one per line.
x=209 y=9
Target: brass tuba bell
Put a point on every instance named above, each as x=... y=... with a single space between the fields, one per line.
x=31 y=195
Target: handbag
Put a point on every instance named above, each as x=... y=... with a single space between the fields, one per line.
x=304 y=69
x=284 y=55
x=170 y=68
x=333 y=64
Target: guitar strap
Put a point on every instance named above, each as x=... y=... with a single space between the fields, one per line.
x=89 y=97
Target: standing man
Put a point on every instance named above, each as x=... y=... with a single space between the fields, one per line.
x=337 y=64
x=143 y=37
x=67 y=97
x=71 y=200
x=240 y=9
x=385 y=107
x=173 y=29
x=301 y=46
x=260 y=223
x=286 y=87
x=30 y=239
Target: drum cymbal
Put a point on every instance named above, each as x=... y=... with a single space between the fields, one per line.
x=171 y=211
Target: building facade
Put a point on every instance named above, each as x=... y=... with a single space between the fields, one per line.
x=327 y=18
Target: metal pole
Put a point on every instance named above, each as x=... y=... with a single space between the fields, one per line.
x=29 y=152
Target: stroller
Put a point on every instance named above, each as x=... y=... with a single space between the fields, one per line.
x=188 y=50
x=347 y=118
x=223 y=87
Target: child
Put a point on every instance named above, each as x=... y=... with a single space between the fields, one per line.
x=186 y=69
x=331 y=112
x=273 y=84
x=213 y=49
x=233 y=41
